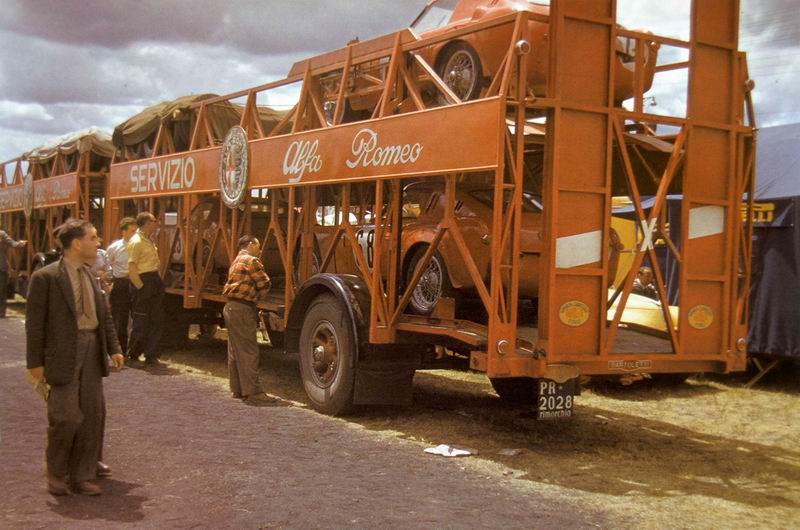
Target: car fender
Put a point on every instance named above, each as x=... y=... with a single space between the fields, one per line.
x=349 y=289
x=422 y=238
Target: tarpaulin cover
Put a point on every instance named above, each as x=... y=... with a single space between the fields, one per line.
x=221 y=117
x=775 y=284
x=778 y=162
x=92 y=140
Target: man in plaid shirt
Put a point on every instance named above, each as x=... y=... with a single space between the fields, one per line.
x=246 y=279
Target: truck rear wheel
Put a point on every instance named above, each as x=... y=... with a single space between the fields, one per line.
x=327 y=356
x=515 y=390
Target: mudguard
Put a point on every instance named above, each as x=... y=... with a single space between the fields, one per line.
x=351 y=291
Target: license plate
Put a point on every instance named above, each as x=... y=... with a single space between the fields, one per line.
x=554 y=400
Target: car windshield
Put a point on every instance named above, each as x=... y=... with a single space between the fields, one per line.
x=530 y=203
x=435 y=16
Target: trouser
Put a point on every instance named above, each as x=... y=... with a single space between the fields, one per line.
x=4 y=294
x=120 y=299
x=76 y=417
x=241 y=322
x=147 y=308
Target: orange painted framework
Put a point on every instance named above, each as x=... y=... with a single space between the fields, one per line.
x=60 y=189
x=714 y=147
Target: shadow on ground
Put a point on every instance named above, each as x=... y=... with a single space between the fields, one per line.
x=648 y=390
x=596 y=451
x=117 y=504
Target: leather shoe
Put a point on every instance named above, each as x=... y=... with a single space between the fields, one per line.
x=103 y=470
x=56 y=486
x=86 y=488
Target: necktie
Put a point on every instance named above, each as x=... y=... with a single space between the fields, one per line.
x=86 y=292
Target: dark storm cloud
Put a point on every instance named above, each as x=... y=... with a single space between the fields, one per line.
x=70 y=64
x=49 y=72
x=263 y=27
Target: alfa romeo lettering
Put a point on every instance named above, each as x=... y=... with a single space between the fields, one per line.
x=368 y=153
x=175 y=174
x=54 y=192
x=301 y=157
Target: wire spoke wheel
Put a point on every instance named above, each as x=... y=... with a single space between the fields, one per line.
x=434 y=283
x=460 y=68
x=429 y=289
x=460 y=74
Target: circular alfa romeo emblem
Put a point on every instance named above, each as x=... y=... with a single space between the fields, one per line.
x=574 y=313
x=233 y=167
x=701 y=316
x=27 y=194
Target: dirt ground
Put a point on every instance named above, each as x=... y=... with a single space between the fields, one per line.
x=185 y=454
x=707 y=454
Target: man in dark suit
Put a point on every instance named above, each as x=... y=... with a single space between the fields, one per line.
x=70 y=337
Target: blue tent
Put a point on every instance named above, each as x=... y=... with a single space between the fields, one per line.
x=775 y=286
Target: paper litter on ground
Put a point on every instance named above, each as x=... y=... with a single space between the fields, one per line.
x=446 y=450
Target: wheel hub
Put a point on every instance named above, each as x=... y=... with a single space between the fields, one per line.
x=429 y=289
x=324 y=354
x=460 y=74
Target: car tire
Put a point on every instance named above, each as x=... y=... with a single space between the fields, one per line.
x=327 y=356
x=433 y=285
x=460 y=68
x=515 y=390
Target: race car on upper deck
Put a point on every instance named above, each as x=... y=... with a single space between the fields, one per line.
x=468 y=62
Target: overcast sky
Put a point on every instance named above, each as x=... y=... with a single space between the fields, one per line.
x=70 y=64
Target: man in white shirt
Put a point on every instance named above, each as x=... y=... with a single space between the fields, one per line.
x=101 y=269
x=117 y=259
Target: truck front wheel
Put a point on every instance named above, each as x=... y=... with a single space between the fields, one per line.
x=327 y=356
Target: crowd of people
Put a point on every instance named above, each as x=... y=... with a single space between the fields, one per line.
x=95 y=310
